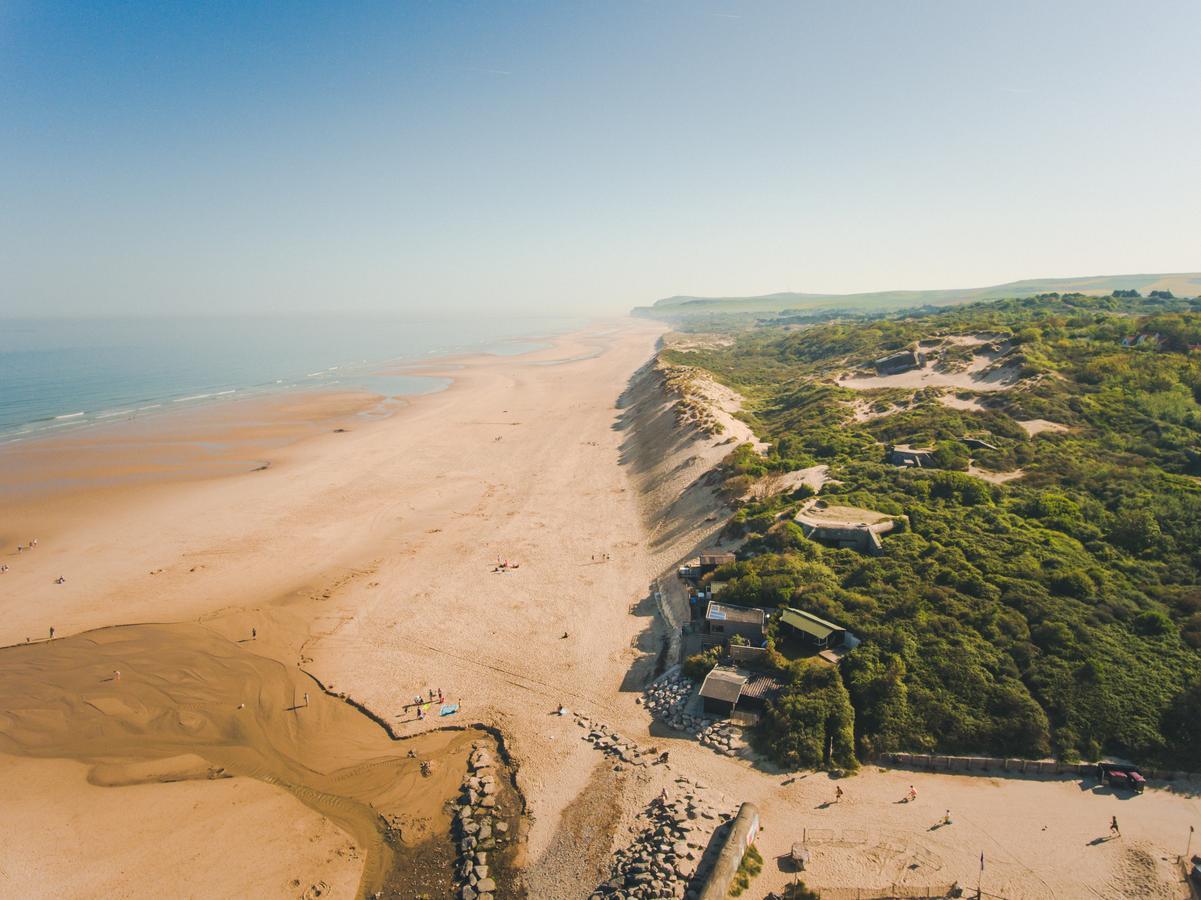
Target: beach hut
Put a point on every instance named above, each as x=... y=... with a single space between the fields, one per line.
x=721 y=689
x=707 y=562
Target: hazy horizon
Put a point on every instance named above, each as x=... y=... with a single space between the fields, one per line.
x=549 y=159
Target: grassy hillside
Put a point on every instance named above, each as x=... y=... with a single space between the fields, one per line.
x=1045 y=595
x=684 y=307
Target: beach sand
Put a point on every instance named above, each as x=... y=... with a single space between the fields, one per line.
x=369 y=558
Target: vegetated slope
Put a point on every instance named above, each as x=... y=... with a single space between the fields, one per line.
x=1057 y=612
x=686 y=307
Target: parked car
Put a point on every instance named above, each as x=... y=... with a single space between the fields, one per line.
x=1120 y=776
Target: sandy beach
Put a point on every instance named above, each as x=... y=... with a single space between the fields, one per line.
x=501 y=541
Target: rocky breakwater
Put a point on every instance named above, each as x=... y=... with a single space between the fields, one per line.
x=612 y=744
x=668 y=698
x=483 y=822
x=667 y=855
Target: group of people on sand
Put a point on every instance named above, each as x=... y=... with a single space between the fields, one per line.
x=21 y=548
x=600 y=557
x=911 y=796
x=423 y=705
x=504 y=565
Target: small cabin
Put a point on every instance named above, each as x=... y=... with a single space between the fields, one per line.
x=726 y=688
x=700 y=566
x=709 y=561
x=813 y=629
x=727 y=620
x=721 y=690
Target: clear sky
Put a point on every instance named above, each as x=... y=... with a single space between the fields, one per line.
x=585 y=156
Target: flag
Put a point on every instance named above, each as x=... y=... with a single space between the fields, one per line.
x=981 y=860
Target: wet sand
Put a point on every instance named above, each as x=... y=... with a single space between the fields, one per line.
x=189 y=704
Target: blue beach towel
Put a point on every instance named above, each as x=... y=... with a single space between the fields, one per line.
x=449 y=710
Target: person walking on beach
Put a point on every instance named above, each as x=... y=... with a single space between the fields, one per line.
x=946 y=819
x=254 y=634
x=837 y=793
x=306 y=698
x=1113 y=827
x=420 y=713
x=51 y=632
x=116 y=674
x=912 y=795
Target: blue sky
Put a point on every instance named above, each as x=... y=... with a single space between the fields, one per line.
x=584 y=156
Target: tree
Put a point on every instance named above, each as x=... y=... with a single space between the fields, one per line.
x=1135 y=530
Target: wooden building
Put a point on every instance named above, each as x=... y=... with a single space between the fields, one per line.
x=721 y=689
x=813 y=629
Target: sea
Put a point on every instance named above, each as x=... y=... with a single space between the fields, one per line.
x=60 y=374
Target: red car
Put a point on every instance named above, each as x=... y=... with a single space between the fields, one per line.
x=1121 y=776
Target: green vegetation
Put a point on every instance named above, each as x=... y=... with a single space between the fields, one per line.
x=796 y=891
x=751 y=865
x=1059 y=612
x=800 y=307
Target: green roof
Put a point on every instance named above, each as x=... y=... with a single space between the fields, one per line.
x=809 y=623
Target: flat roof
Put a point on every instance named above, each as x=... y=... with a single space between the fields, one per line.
x=723 y=684
x=809 y=623
x=720 y=612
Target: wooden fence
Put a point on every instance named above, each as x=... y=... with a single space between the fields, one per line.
x=937 y=762
x=894 y=892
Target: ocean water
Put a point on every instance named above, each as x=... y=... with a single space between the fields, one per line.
x=62 y=374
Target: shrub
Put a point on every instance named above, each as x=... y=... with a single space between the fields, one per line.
x=1152 y=622
x=699 y=665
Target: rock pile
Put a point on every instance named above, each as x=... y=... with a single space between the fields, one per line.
x=671 y=836
x=478 y=825
x=666 y=699
x=724 y=737
x=613 y=744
